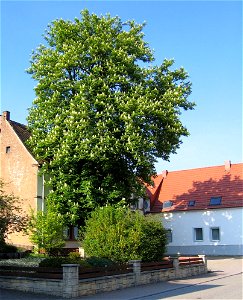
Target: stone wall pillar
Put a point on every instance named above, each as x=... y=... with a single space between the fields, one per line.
x=204 y=258
x=70 y=280
x=136 y=265
x=176 y=263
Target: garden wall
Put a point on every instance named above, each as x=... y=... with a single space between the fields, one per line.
x=70 y=286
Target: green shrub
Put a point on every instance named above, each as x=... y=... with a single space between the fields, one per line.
x=153 y=240
x=99 y=261
x=74 y=255
x=56 y=262
x=46 y=231
x=120 y=235
x=6 y=248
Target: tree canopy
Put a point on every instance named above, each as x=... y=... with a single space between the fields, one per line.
x=103 y=113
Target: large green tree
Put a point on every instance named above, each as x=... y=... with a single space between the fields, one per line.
x=103 y=113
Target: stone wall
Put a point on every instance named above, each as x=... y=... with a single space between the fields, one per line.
x=71 y=286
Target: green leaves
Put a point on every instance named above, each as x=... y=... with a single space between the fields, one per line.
x=100 y=118
x=46 y=230
x=121 y=235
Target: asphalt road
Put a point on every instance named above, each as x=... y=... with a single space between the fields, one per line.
x=224 y=281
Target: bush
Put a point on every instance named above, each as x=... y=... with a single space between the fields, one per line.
x=99 y=261
x=46 y=231
x=153 y=240
x=6 y=248
x=120 y=235
x=74 y=255
x=56 y=262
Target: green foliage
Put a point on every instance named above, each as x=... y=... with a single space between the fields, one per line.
x=153 y=240
x=74 y=255
x=102 y=113
x=99 y=261
x=12 y=218
x=46 y=230
x=120 y=235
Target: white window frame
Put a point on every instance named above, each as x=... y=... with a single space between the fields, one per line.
x=195 y=234
x=211 y=234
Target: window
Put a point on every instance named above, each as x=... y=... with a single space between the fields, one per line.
x=191 y=203
x=198 y=234
x=215 y=234
x=215 y=201
x=71 y=233
x=8 y=149
x=169 y=235
x=167 y=204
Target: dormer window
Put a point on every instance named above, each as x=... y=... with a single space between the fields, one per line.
x=215 y=201
x=191 y=203
x=167 y=204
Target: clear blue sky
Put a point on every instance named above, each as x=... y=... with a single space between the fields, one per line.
x=204 y=37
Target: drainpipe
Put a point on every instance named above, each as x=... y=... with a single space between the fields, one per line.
x=43 y=194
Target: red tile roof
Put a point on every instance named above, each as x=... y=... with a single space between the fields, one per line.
x=200 y=185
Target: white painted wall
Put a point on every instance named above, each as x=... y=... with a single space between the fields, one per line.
x=182 y=225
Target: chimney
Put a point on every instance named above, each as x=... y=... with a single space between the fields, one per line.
x=6 y=115
x=164 y=173
x=227 y=165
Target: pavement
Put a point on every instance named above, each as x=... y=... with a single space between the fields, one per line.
x=224 y=281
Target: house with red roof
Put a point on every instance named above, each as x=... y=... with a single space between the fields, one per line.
x=201 y=209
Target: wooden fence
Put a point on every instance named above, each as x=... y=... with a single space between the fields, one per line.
x=37 y=272
x=93 y=272
x=191 y=260
x=164 y=264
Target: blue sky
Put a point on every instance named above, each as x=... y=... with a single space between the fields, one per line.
x=205 y=37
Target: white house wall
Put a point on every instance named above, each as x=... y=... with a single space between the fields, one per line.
x=182 y=224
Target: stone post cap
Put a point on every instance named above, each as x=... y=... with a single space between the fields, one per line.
x=134 y=261
x=70 y=265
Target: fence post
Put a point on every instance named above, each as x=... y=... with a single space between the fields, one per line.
x=176 y=263
x=70 y=280
x=136 y=265
x=204 y=258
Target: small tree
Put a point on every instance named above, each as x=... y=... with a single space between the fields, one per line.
x=12 y=217
x=46 y=230
x=120 y=234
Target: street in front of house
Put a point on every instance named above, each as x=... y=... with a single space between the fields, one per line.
x=224 y=281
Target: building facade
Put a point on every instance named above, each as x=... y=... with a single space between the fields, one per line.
x=18 y=170
x=22 y=177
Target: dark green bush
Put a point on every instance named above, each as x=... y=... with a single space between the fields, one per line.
x=56 y=262
x=6 y=248
x=99 y=261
